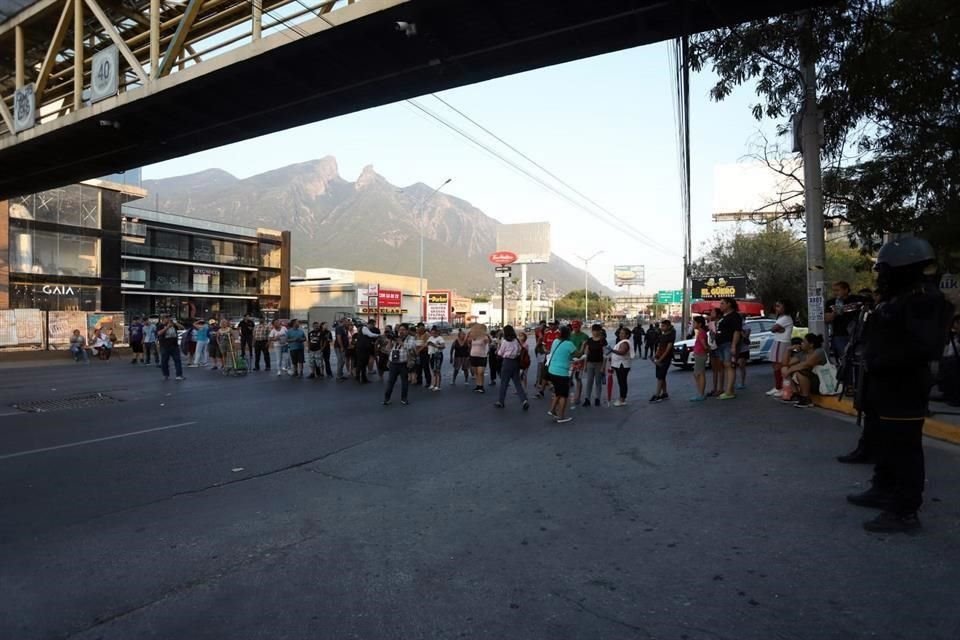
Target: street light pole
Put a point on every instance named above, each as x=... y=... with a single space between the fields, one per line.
x=423 y=205
x=586 y=286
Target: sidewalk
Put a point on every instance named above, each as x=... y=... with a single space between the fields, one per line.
x=944 y=424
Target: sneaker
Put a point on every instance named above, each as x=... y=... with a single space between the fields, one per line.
x=740 y=386
x=773 y=392
x=481 y=390
x=564 y=420
x=655 y=398
x=698 y=398
x=586 y=403
x=777 y=394
x=619 y=403
x=404 y=402
x=726 y=396
x=664 y=396
x=179 y=377
x=192 y=366
x=498 y=405
x=890 y=522
x=526 y=405
x=596 y=402
x=386 y=402
x=550 y=413
x=803 y=403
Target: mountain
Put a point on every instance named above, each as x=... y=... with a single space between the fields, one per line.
x=368 y=224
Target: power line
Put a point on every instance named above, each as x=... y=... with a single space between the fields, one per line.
x=629 y=230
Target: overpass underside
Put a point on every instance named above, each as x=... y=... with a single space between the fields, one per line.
x=202 y=73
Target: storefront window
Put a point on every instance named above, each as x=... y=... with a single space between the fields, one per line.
x=48 y=252
x=134 y=271
x=169 y=277
x=206 y=280
x=54 y=297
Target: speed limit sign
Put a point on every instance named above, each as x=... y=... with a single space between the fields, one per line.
x=105 y=78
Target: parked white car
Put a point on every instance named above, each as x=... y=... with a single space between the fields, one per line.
x=761 y=342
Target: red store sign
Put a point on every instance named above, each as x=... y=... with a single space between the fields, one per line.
x=390 y=298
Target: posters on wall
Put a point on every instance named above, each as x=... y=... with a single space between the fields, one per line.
x=21 y=327
x=105 y=321
x=60 y=326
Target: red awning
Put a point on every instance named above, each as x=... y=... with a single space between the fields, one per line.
x=747 y=307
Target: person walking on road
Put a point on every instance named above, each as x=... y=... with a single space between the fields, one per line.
x=638 y=340
x=578 y=337
x=620 y=363
x=167 y=334
x=341 y=345
x=366 y=344
x=460 y=357
x=296 y=339
x=326 y=344
x=701 y=352
x=315 y=352
x=435 y=346
x=509 y=352
x=651 y=342
x=545 y=342
x=136 y=340
x=595 y=349
x=479 y=341
x=201 y=333
x=423 y=356
x=728 y=344
x=150 y=342
x=246 y=327
x=561 y=354
x=662 y=359
x=403 y=354
x=261 y=344
x=278 y=344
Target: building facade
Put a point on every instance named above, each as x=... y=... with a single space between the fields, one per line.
x=92 y=247
x=201 y=269
x=326 y=295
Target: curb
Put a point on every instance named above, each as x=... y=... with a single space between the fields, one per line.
x=932 y=427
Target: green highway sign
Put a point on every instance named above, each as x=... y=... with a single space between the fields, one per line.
x=670 y=297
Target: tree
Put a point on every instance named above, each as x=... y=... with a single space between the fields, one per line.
x=889 y=92
x=570 y=306
x=774 y=264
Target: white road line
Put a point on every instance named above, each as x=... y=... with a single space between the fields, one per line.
x=14 y=413
x=83 y=442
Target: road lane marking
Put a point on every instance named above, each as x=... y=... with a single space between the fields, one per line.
x=83 y=442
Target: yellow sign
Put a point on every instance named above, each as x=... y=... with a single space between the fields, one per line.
x=438 y=298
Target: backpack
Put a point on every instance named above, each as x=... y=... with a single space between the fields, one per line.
x=524 y=359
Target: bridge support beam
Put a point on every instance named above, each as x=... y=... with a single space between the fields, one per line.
x=154 y=36
x=179 y=37
x=77 y=54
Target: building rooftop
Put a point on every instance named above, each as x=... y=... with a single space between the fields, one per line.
x=195 y=223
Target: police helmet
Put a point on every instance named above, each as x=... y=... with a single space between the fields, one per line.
x=905 y=252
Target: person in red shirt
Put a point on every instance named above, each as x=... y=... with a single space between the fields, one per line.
x=545 y=341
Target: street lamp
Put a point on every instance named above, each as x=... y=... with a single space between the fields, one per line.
x=423 y=204
x=586 y=286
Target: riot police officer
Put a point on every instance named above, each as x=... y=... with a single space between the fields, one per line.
x=902 y=336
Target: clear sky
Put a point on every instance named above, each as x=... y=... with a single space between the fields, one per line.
x=604 y=124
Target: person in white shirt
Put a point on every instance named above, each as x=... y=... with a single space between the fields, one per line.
x=278 y=344
x=435 y=347
x=403 y=357
x=780 y=353
x=509 y=351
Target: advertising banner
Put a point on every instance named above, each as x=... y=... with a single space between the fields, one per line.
x=438 y=306
x=20 y=327
x=105 y=321
x=392 y=298
x=629 y=274
x=716 y=287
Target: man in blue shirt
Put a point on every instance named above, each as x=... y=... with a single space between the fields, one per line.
x=296 y=339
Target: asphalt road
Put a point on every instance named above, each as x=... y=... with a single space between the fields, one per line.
x=265 y=507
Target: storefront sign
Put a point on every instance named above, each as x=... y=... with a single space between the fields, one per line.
x=390 y=298
x=438 y=306
x=58 y=290
x=715 y=288
x=383 y=312
x=503 y=258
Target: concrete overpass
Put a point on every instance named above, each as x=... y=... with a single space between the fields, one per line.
x=197 y=74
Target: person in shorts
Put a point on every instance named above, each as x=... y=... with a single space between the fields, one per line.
x=780 y=352
x=662 y=359
x=562 y=352
x=479 y=344
x=729 y=335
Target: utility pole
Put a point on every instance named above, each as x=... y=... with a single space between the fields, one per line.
x=812 y=179
x=586 y=286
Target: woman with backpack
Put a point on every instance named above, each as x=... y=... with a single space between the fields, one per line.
x=509 y=352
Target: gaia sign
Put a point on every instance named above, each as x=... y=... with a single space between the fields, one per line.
x=717 y=287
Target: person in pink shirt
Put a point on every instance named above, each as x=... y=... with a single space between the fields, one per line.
x=700 y=353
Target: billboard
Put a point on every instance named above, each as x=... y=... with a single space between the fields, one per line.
x=530 y=241
x=716 y=287
x=438 y=306
x=629 y=274
x=392 y=298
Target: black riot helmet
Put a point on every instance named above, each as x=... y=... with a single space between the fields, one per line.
x=905 y=252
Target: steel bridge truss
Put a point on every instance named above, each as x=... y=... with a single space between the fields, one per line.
x=48 y=50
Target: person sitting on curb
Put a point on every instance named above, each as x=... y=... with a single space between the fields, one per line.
x=801 y=374
x=78 y=347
